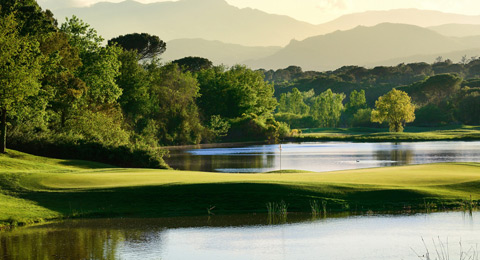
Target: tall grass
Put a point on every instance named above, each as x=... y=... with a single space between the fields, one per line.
x=318 y=209
x=442 y=251
x=429 y=206
x=277 y=212
x=469 y=205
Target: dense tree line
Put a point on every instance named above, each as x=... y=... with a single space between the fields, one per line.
x=66 y=93
x=443 y=92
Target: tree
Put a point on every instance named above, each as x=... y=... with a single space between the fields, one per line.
x=147 y=46
x=20 y=70
x=327 y=108
x=174 y=113
x=100 y=65
x=31 y=20
x=193 y=64
x=356 y=102
x=468 y=111
x=234 y=92
x=133 y=81
x=62 y=62
x=293 y=103
x=396 y=108
x=435 y=89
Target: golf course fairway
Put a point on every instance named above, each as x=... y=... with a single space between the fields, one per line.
x=35 y=189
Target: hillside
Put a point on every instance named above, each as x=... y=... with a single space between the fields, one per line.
x=216 y=51
x=362 y=45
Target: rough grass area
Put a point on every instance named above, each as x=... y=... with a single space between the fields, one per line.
x=382 y=134
x=34 y=189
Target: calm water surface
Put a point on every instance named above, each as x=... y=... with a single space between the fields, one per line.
x=321 y=156
x=245 y=237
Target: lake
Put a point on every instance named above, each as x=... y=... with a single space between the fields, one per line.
x=321 y=156
x=246 y=237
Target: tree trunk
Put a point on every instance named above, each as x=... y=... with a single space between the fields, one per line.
x=3 y=131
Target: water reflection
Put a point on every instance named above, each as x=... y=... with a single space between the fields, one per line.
x=321 y=156
x=241 y=237
x=395 y=157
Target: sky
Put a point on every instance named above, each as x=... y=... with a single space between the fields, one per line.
x=315 y=11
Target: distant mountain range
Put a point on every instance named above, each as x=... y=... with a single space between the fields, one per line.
x=228 y=35
x=217 y=20
x=422 y=18
x=457 y=30
x=216 y=51
x=365 y=46
x=206 y=19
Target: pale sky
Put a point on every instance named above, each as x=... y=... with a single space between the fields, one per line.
x=317 y=11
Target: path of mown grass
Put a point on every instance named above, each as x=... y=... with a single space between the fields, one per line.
x=35 y=188
x=410 y=134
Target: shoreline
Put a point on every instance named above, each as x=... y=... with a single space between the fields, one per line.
x=360 y=135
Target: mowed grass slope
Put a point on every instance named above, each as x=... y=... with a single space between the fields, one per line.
x=35 y=188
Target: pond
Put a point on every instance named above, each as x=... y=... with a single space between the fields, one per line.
x=321 y=156
x=247 y=237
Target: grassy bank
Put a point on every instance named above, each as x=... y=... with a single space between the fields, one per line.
x=447 y=133
x=34 y=188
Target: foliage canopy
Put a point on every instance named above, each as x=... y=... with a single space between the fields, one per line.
x=396 y=108
x=147 y=46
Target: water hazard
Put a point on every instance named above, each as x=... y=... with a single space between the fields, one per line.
x=321 y=156
x=247 y=237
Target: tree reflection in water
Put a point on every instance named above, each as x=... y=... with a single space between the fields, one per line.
x=81 y=239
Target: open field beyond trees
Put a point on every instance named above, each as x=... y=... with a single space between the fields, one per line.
x=34 y=189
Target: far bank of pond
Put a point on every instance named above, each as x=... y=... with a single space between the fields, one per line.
x=410 y=134
x=319 y=156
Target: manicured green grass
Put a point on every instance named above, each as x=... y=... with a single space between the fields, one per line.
x=382 y=134
x=35 y=189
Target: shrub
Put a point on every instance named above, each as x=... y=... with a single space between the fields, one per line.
x=256 y=128
x=72 y=147
x=296 y=121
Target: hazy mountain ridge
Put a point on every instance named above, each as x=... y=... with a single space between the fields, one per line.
x=226 y=34
x=216 y=51
x=422 y=18
x=361 y=46
x=210 y=20
x=217 y=20
x=457 y=30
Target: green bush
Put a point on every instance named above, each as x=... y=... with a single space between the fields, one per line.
x=72 y=147
x=254 y=128
x=296 y=121
x=431 y=115
x=362 y=118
